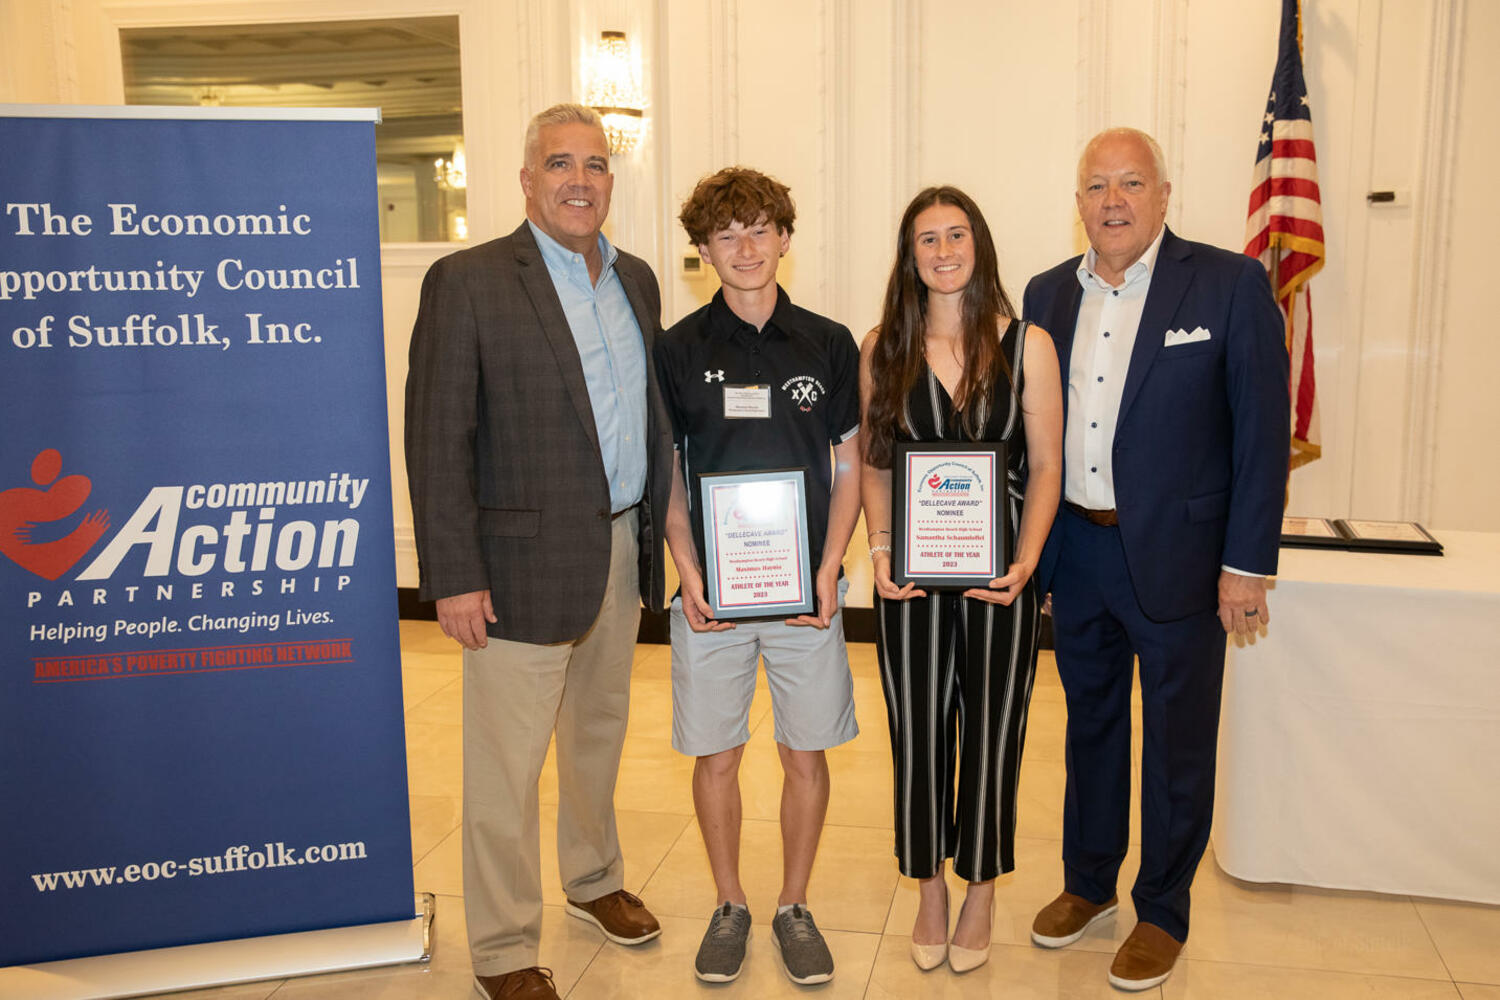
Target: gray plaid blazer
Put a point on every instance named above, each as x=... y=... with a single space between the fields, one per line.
x=507 y=481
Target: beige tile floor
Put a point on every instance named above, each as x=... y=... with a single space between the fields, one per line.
x=1249 y=941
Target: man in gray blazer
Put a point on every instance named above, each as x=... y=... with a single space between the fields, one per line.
x=540 y=458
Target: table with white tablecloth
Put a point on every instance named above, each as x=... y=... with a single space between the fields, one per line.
x=1360 y=739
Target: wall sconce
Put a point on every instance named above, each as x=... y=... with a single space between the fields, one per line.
x=614 y=93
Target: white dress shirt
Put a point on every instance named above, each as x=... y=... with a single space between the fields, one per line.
x=1108 y=317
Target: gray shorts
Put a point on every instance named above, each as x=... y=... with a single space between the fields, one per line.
x=713 y=682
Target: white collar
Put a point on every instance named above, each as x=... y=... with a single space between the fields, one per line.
x=1142 y=269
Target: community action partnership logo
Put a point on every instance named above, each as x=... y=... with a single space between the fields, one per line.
x=24 y=508
x=949 y=485
x=46 y=531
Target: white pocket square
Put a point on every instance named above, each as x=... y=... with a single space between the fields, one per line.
x=1176 y=338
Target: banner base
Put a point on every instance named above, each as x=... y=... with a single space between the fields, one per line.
x=222 y=963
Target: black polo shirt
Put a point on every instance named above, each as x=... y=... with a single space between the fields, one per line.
x=811 y=365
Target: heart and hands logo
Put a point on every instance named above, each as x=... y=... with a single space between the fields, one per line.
x=52 y=500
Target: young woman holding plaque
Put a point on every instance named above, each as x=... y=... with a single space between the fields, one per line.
x=951 y=362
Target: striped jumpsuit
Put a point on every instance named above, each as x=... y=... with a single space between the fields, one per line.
x=957 y=674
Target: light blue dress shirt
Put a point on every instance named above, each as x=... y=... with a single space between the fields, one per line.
x=613 y=353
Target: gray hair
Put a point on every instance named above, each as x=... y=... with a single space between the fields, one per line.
x=558 y=114
x=1120 y=132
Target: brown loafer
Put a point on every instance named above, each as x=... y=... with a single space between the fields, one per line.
x=523 y=984
x=1145 y=959
x=622 y=917
x=1063 y=921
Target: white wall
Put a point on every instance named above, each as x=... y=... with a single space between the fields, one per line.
x=857 y=106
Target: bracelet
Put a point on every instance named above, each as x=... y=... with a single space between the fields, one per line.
x=879 y=531
x=878 y=548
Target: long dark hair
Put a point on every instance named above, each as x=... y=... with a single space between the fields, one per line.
x=900 y=342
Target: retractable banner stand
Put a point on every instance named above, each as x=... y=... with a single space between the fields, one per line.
x=200 y=691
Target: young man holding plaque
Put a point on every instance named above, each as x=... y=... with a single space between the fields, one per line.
x=753 y=384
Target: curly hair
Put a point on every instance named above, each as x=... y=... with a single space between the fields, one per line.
x=736 y=194
x=900 y=345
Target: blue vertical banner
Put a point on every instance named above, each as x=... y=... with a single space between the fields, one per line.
x=201 y=728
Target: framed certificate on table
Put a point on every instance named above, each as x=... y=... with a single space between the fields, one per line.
x=948 y=514
x=1388 y=536
x=1311 y=533
x=755 y=544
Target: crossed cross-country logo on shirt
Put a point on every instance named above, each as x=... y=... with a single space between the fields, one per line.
x=804 y=390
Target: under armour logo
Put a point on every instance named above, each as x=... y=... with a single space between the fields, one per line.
x=717 y=376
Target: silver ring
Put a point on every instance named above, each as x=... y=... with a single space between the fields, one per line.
x=1252 y=612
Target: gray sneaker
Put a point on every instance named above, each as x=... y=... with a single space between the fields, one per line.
x=722 y=952
x=804 y=953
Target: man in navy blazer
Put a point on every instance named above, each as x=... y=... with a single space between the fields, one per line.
x=1174 y=468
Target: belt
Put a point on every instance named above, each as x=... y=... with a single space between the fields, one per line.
x=621 y=513
x=1103 y=518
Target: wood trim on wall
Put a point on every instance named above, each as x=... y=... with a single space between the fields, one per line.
x=531 y=17
x=1169 y=98
x=1340 y=397
x=1094 y=106
x=65 y=51
x=860 y=624
x=659 y=82
x=724 y=51
x=1434 y=224
x=906 y=102
x=834 y=286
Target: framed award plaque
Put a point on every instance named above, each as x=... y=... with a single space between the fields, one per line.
x=1311 y=533
x=948 y=519
x=755 y=553
x=1358 y=535
x=1388 y=536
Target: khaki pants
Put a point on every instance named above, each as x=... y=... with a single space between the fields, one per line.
x=515 y=695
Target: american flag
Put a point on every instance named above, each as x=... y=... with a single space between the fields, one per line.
x=1284 y=229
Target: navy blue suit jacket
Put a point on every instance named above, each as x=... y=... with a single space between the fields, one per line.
x=1201 y=444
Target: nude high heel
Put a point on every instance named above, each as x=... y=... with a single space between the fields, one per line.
x=929 y=956
x=961 y=959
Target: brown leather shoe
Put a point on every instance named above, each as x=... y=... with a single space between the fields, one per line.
x=622 y=917
x=523 y=984
x=1145 y=959
x=1063 y=921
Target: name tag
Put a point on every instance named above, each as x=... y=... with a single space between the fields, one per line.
x=747 y=402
